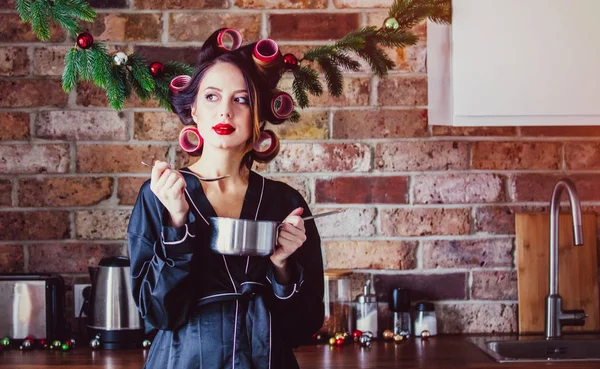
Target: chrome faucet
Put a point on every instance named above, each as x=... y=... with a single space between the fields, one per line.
x=555 y=316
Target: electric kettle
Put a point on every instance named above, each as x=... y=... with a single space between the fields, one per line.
x=113 y=318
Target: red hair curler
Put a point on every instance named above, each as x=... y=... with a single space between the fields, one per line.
x=236 y=39
x=267 y=146
x=179 y=83
x=265 y=52
x=184 y=139
x=282 y=105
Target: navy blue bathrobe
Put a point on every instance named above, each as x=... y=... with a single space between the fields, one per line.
x=215 y=311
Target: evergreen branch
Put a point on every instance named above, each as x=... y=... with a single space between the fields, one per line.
x=87 y=65
x=175 y=68
x=318 y=52
x=140 y=72
x=305 y=79
x=24 y=10
x=102 y=64
x=69 y=76
x=116 y=89
x=295 y=117
x=379 y=61
x=137 y=88
x=396 y=39
x=39 y=19
x=61 y=14
x=345 y=61
x=78 y=9
x=333 y=76
x=355 y=40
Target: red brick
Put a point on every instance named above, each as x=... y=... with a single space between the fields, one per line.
x=181 y=4
x=281 y=4
x=126 y=27
x=494 y=285
x=12 y=259
x=565 y=131
x=395 y=255
x=423 y=287
x=494 y=252
x=539 y=187
x=312 y=26
x=34 y=158
x=356 y=92
x=582 y=155
x=25 y=93
x=313 y=125
x=8 y=4
x=69 y=257
x=299 y=183
x=361 y=3
x=188 y=54
x=421 y=155
x=90 y=95
x=183 y=159
x=362 y=190
x=82 y=125
x=473 y=131
x=128 y=188
x=12 y=29
x=50 y=61
x=516 y=155
x=198 y=26
x=5 y=193
x=14 y=61
x=353 y=222
x=102 y=224
x=35 y=225
x=424 y=222
x=14 y=126
x=379 y=123
x=109 y=4
x=458 y=188
x=64 y=191
x=476 y=318
x=500 y=219
x=402 y=91
x=161 y=126
x=106 y=158
x=413 y=58
x=323 y=157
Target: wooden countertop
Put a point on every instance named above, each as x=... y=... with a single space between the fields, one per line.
x=442 y=352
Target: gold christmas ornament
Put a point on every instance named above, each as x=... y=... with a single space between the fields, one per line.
x=391 y=24
x=398 y=338
x=388 y=334
x=332 y=341
x=425 y=335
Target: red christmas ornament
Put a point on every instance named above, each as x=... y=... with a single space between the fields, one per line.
x=157 y=69
x=43 y=342
x=85 y=40
x=339 y=341
x=356 y=334
x=290 y=61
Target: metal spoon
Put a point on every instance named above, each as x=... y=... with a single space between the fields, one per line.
x=192 y=173
x=323 y=214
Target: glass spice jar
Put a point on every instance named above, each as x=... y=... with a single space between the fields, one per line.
x=338 y=302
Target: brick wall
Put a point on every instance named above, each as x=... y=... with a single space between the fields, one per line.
x=428 y=208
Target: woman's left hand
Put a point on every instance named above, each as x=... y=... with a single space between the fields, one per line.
x=291 y=236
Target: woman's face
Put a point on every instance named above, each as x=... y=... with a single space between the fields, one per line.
x=222 y=108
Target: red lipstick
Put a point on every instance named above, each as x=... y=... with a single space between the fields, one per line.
x=223 y=129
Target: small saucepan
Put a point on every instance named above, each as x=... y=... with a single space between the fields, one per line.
x=245 y=237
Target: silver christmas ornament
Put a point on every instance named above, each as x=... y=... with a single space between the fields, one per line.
x=146 y=343
x=120 y=58
x=95 y=344
x=364 y=341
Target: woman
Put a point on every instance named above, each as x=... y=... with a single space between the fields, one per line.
x=212 y=310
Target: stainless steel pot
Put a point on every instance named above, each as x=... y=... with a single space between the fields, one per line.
x=245 y=237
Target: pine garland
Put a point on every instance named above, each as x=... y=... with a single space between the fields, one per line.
x=121 y=79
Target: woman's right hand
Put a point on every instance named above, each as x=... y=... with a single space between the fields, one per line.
x=169 y=186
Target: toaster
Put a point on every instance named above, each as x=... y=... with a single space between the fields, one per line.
x=32 y=305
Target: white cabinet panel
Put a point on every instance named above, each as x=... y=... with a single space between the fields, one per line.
x=516 y=62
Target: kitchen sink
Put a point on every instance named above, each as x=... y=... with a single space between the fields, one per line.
x=537 y=349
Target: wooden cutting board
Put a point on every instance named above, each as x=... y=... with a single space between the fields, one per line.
x=577 y=270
